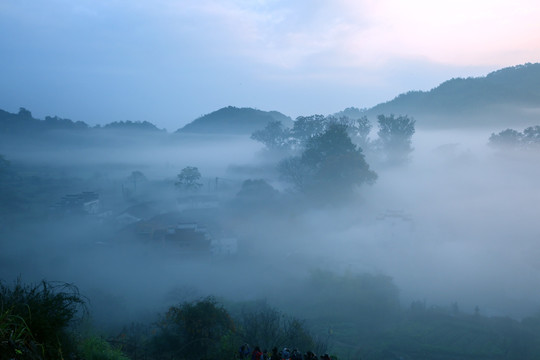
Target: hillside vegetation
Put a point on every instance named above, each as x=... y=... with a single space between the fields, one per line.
x=234 y=120
x=505 y=96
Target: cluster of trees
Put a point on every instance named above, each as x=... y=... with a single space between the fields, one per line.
x=40 y=322
x=394 y=137
x=131 y=125
x=394 y=133
x=188 y=180
x=326 y=154
x=275 y=136
x=358 y=315
x=329 y=165
x=233 y=120
x=510 y=138
x=513 y=86
x=204 y=329
x=23 y=122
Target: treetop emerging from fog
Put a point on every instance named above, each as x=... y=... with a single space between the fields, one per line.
x=330 y=165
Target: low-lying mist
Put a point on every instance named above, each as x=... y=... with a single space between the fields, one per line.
x=456 y=223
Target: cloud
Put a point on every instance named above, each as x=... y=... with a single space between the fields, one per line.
x=333 y=34
x=366 y=33
x=460 y=32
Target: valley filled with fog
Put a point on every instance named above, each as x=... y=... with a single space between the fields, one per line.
x=454 y=223
x=269 y=180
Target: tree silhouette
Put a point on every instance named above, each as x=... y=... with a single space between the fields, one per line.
x=330 y=164
x=188 y=179
x=395 y=135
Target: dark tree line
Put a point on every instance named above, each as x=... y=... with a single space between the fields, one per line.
x=204 y=329
x=23 y=122
x=327 y=155
x=394 y=134
x=329 y=164
x=277 y=137
x=510 y=138
x=37 y=323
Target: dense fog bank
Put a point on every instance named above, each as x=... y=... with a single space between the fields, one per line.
x=456 y=223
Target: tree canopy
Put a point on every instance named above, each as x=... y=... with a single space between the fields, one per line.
x=274 y=136
x=306 y=127
x=195 y=330
x=395 y=135
x=330 y=163
x=188 y=179
x=511 y=138
x=277 y=137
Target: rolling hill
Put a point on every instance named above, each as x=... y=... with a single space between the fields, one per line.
x=233 y=120
x=507 y=96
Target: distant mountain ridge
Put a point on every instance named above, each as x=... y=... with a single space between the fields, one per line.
x=506 y=97
x=24 y=123
x=512 y=90
x=228 y=120
x=233 y=120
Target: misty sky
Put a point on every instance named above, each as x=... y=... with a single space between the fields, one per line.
x=170 y=61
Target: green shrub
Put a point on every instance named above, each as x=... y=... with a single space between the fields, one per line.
x=194 y=330
x=96 y=348
x=34 y=319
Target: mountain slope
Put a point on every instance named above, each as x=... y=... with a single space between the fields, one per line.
x=24 y=123
x=512 y=91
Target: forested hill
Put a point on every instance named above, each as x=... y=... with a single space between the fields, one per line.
x=233 y=120
x=229 y=120
x=23 y=123
x=509 y=97
x=509 y=92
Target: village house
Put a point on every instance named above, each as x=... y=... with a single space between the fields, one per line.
x=84 y=203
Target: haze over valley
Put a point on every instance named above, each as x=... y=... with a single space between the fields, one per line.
x=303 y=181
x=447 y=214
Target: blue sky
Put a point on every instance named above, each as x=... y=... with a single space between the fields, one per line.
x=169 y=62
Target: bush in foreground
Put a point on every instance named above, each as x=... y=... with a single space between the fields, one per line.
x=34 y=319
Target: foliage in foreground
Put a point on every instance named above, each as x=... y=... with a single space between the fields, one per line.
x=193 y=330
x=204 y=329
x=34 y=319
x=359 y=314
x=96 y=348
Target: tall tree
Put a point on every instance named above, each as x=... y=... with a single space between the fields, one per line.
x=357 y=128
x=188 y=179
x=507 y=138
x=531 y=135
x=306 y=127
x=330 y=164
x=395 y=135
x=274 y=136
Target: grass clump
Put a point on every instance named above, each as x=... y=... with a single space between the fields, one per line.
x=34 y=319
